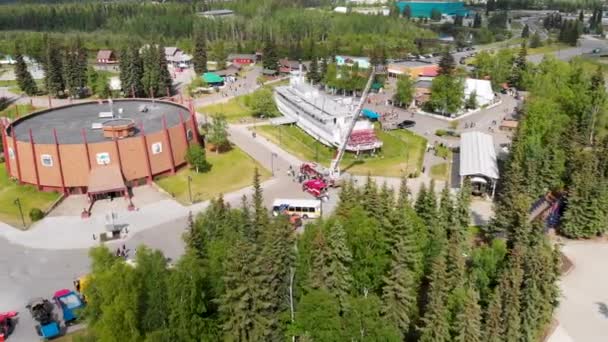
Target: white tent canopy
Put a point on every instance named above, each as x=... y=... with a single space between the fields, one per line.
x=477 y=155
x=482 y=88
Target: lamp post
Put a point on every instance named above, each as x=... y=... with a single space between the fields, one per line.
x=272 y=156
x=190 y=188
x=18 y=204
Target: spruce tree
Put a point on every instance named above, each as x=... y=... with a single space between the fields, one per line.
x=467 y=324
x=510 y=282
x=539 y=290
x=260 y=214
x=25 y=81
x=586 y=214
x=331 y=261
x=270 y=59
x=386 y=198
x=426 y=204
x=519 y=67
x=525 y=32
x=244 y=304
x=165 y=83
x=151 y=73
x=371 y=199
x=136 y=73
x=323 y=70
x=277 y=260
x=436 y=326
x=75 y=68
x=477 y=21
x=456 y=262
x=493 y=322
x=447 y=65
x=403 y=197
x=199 y=57
x=445 y=213
x=313 y=71
x=347 y=198
x=462 y=211
x=399 y=294
x=53 y=69
x=124 y=64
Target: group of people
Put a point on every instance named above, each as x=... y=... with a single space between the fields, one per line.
x=122 y=252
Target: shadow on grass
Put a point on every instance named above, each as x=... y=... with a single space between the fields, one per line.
x=353 y=164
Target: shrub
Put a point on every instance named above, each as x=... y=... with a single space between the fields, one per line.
x=196 y=157
x=440 y=132
x=36 y=214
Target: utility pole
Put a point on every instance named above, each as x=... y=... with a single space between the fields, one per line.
x=190 y=188
x=18 y=204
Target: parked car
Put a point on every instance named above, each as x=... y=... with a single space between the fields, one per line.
x=406 y=124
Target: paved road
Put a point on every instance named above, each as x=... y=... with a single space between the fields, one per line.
x=583 y=309
x=586 y=44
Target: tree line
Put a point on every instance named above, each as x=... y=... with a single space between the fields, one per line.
x=294 y=29
x=381 y=268
x=143 y=71
x=560 y=147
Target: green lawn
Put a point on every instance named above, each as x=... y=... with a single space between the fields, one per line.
x=230 y=171
x=548 y=48
x=234 y=110
x=70 y=337
x=12 y=84
x=8 y=83
x=11 y=111
x=28 y=196
x=402 y=150
x=440 y=171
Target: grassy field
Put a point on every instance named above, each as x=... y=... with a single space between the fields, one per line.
x=402 y=151
x=230 y=171
x=28 y=196
x=70 y=337
x=548 y=48
x=440 y=171
x=23 y=109
x=234 y=110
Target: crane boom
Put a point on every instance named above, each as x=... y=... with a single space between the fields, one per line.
x=334 y=168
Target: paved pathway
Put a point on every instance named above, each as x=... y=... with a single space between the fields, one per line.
x=583 y=309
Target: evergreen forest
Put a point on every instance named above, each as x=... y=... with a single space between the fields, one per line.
x=383 y=267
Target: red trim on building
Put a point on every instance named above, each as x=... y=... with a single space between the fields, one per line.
x=144 y=140
x=194 y=125
x=86 y=147
x=34 y=159
x=59 y=161
x=117 y=150
x=183 y=123
x=5 y=144
x=169 y=144
x=16 y=153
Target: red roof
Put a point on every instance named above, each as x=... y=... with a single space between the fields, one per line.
x=105 y=54
x=430 y=71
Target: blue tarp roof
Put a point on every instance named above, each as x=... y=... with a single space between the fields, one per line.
x=423 y=9
x=50 y=330
x=370 y=114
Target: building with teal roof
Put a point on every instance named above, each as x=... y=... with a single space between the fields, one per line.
x=422 y=9
x=213 y=79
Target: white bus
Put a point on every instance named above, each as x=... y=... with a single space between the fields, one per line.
x=305 y=208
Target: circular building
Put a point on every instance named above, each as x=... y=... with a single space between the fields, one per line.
x=101 y=147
